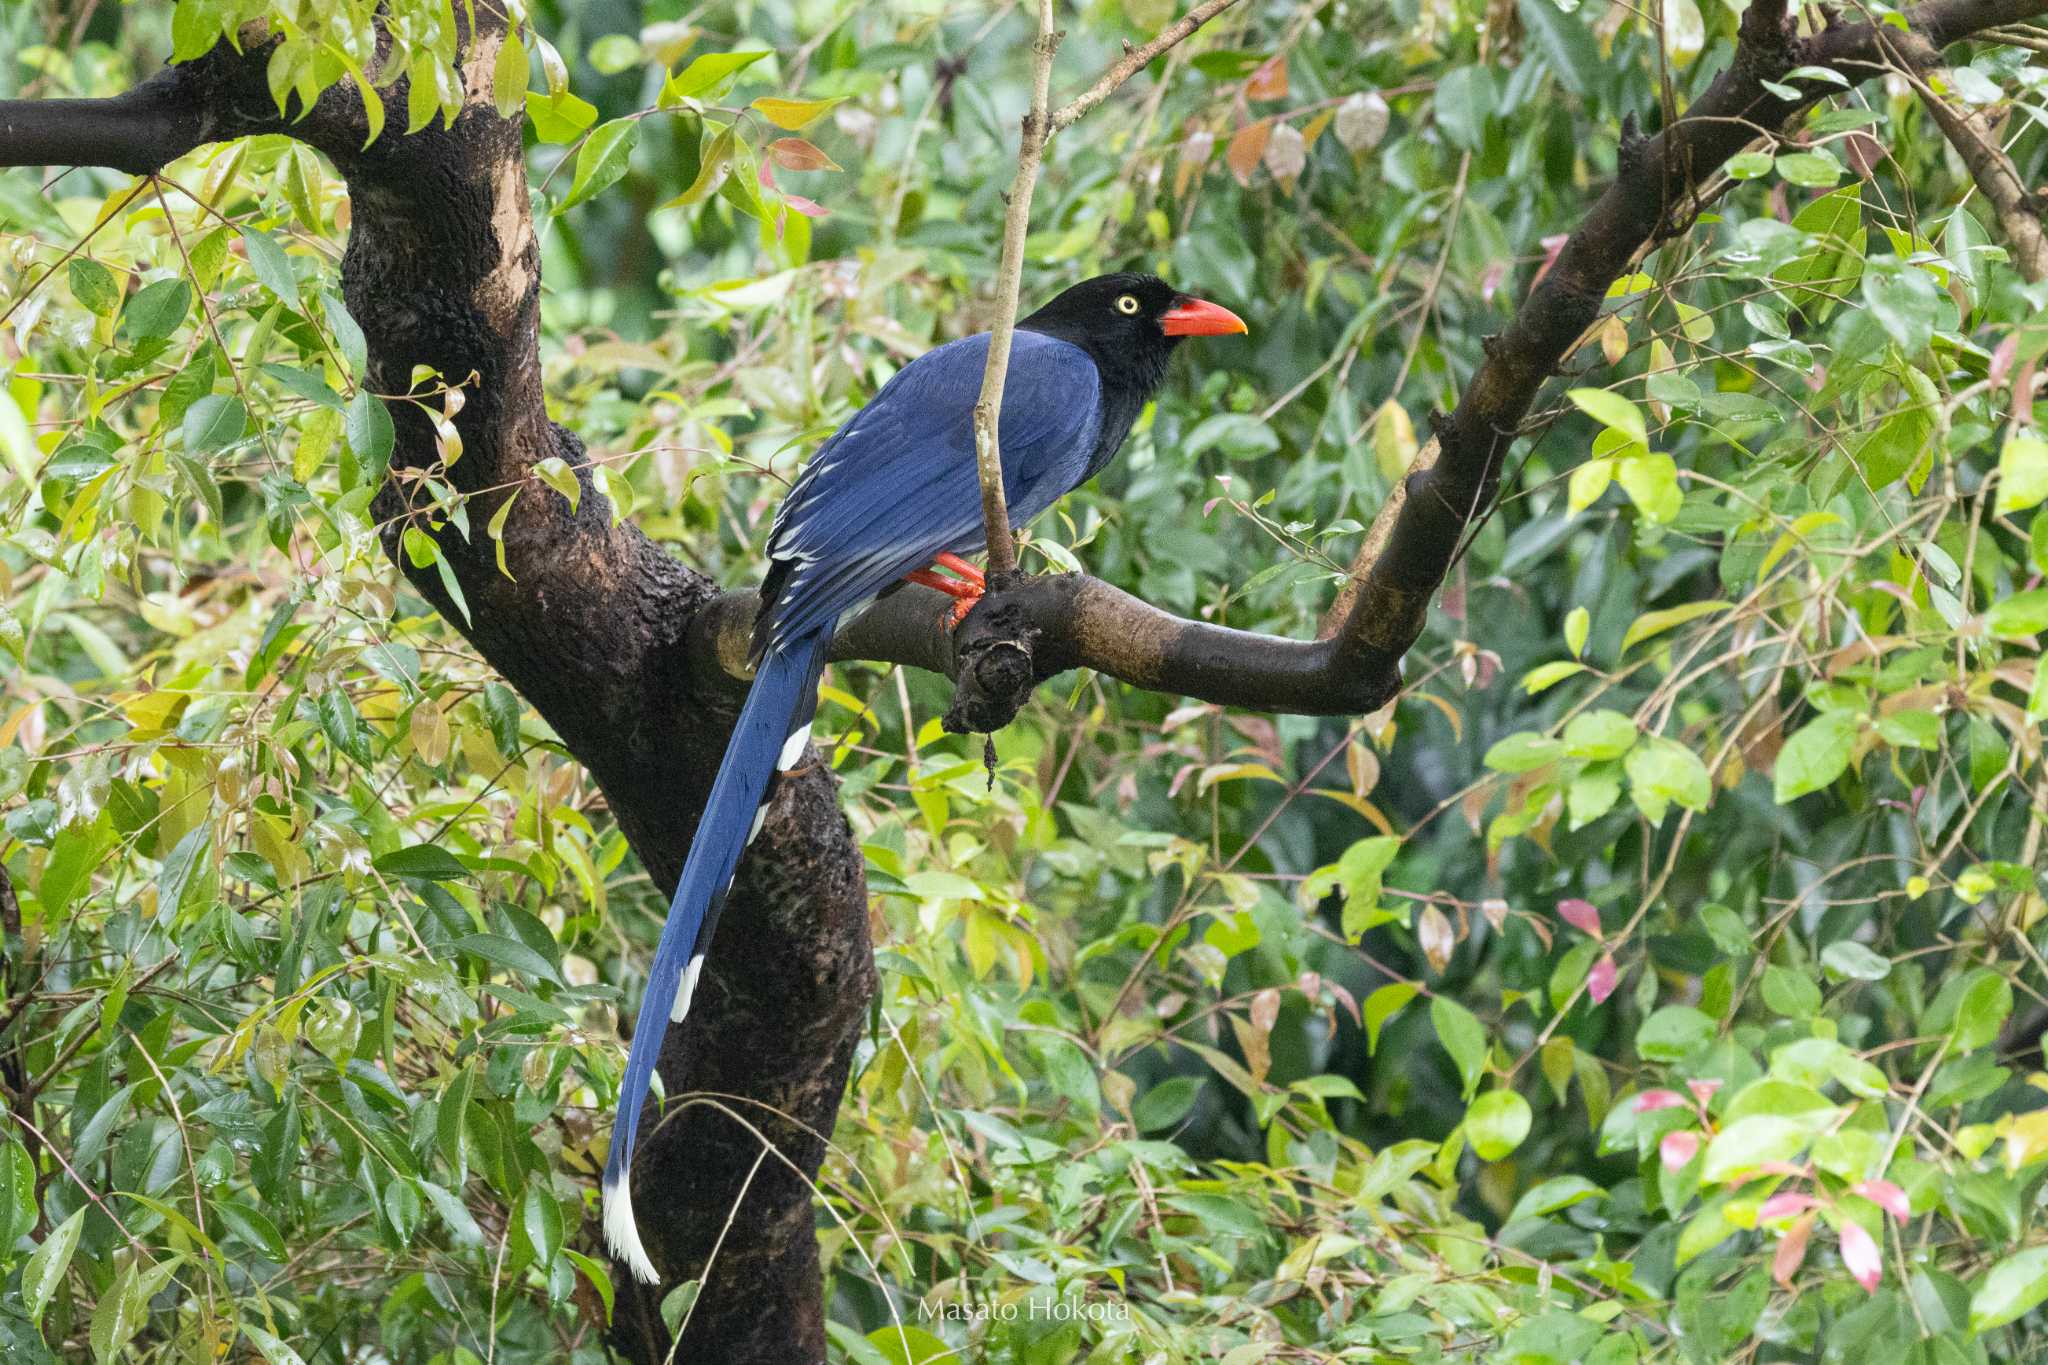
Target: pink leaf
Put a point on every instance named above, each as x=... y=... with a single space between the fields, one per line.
x=1650 y=1101
x=1791 y=1251
x=809 y=208
x=1600 y=981
x=1703 y=1091
x=1678 y=1148
x=1784 y=1206
x=1860 y=1254
x=1886 y=1196
x=1580 y=915
x=2001 y=360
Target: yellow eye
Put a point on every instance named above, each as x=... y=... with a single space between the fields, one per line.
x=1127 y=304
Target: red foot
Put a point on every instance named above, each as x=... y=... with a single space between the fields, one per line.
x=965 y=594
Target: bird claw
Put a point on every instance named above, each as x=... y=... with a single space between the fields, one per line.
x=965 y=593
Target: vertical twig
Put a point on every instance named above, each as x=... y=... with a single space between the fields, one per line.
x=1039 y=127
x=988 y=456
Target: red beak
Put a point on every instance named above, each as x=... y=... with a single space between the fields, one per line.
x=1200 y=318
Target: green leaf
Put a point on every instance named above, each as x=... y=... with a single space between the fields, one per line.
x=1904 y=301
x=366 y=424
x=540 y=1219
x=1747 y=1143
x=1462 y=1035
x=1382 y=1005
x=1611 y=410
x=271 y=266
x=559 y=117
x=1887 y=454
x=45 y=1269
x=214 y=423
x=554 y=471
x=1166 y=1103
x=1748 y=165
x=120 y=1313
x=602 y=160
x=1496 y=1123
x=1815 y=756
x=1651 y=482
x=1599 y=734
x=507 y=952
x=1851 y=959
x=1664 y=771
x=1523 y=752
x=706 y=72
x=348 y=336
x=1813 y=169
x=93 y=285
x=2019 y=616
x=1673 y=1033
x=2022 y=471
x=1654 y=623
x=154 y=311
x=2010 y=1289
x=509 y=74
x=426 y=862
x=17 y=1193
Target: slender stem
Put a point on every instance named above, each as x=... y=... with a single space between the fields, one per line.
x=988 y=456
x=1039 y=127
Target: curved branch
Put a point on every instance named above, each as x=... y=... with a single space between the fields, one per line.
x=1027 y=629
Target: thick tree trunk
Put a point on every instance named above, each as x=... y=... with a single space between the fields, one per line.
x=593 y=628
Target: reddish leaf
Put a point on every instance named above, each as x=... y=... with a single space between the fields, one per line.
x=795 y=154
x=1861 y=1256
x=1886 y=1196
x=1703 y=1090
x=1580 y=915
x=1601 y=980
x=1650 y=1101
x=1792 y=1251
x=809 y=208
x=1784 y=1206
x=1246 y=147
x=1678 y=1148
x=1269 y=82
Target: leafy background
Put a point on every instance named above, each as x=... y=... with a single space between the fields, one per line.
x=1661 y=978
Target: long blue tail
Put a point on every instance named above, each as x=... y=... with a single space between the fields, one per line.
x=773 y=728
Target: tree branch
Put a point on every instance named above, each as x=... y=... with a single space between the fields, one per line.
x=1040 y=124
x=1353 y=664
x=2018 y=210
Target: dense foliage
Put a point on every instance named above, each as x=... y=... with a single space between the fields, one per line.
x=1659 y=979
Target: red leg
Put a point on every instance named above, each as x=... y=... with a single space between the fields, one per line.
x=962 y=567
x=952 y=587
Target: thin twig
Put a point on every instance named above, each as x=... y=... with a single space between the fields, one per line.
x=1040 y=125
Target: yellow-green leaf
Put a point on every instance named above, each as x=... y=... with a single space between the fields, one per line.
x=794 y=115
x=1657 y=622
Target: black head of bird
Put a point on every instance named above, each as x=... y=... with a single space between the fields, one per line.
x=1130 y=324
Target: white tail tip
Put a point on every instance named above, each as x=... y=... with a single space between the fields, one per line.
x=622 y=1234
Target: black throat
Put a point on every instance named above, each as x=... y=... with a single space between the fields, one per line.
x=1132 y=368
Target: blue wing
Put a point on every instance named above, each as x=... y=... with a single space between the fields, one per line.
x=896 y=486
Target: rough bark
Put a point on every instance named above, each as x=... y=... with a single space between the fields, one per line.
x=442 y=269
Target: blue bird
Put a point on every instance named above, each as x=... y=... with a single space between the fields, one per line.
x=890 y=493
